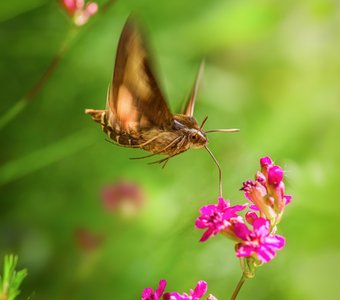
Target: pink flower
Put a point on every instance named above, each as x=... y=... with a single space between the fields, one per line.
x=196 y=294
x=265 y=161
x=123 y=196
x=216 y=218
x=79 y=11
x=251 y=217
x=150 y=294
x=275 y=175
x=258 y=243
x=88 y=240
x=267 y=192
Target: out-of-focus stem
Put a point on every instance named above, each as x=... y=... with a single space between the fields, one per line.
x=107 y=5
x=238 y=287
x=21 y=104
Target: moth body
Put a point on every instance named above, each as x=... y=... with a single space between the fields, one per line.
x=136 y=113
x=181 y=135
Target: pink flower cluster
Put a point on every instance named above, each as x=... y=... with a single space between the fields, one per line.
x=259 y=244
x=267 y=191
x=256 y=241
x=195 y=294
x=79 y=11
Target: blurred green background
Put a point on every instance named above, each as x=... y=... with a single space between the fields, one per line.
x=272 y=70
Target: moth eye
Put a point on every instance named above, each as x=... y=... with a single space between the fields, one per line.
x=194 y=137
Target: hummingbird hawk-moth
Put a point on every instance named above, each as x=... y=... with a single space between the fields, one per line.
x=137 y=115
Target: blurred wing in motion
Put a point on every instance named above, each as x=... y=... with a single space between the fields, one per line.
x=190 y=105
x=134 y=98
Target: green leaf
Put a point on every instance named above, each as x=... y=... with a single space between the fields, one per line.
x=11 y=279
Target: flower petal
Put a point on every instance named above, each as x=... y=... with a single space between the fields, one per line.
x=275 y=175
x=241 y=230
x=206 y=235
x=200 y=289
x=161 y=287
x=261 y=227
x=244 y=250
x=147 y=293
x=265 y=161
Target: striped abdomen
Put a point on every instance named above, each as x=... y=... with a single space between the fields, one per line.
x=113 y=132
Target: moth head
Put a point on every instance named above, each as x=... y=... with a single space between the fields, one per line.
x=197 y=138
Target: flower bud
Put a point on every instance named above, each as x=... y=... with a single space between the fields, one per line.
x=251 y=216
x=265 y=161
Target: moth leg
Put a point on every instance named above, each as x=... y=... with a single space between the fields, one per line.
x=169 y=145
x=160 y=161
x=164 y=160
x=148 y=141
x=142 y=145
x=117 y=144
x=153 y=154
x=158 y=152
x=146 y=156
x=112 y=142
x=154 y=138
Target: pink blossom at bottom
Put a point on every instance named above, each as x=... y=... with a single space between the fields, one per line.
x=196 y=294
x=150 y=294
x=258 y=243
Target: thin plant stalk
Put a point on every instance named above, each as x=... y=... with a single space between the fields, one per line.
x=107 y=5
x=37 y=87
x=238 y=287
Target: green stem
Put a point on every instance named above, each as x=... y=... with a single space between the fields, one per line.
x=107 y=5
x=37 y=87
x=238 y=287
x=41 y=158
x=12 y=112
x=65 y=45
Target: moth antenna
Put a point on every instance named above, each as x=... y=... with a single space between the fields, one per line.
x=222 y=130
x=203 y=122
x=219 y=170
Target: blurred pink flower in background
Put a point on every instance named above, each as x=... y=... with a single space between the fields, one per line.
x=87 y=240
x=124 y=197
x=79 y=11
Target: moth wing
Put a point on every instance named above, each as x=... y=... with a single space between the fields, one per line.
x=190 y=104
x=134 y=97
